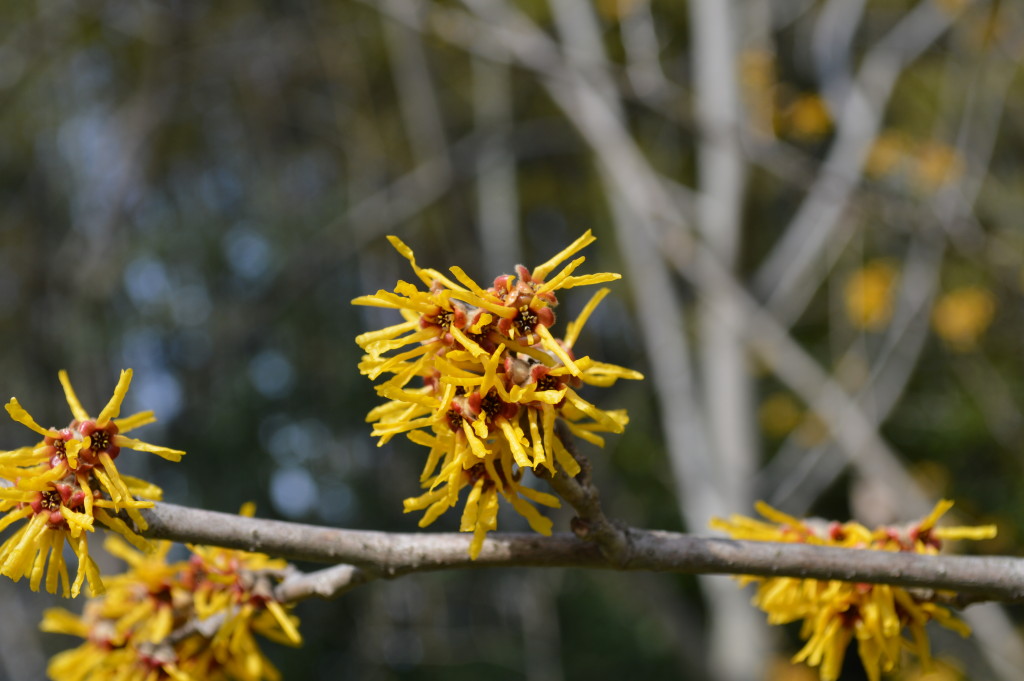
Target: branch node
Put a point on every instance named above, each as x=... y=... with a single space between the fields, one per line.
x=590 y=523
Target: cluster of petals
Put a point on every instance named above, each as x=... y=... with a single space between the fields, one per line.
x=477 y=377
x=62 y=486
x=878 y=616
x=193 y=620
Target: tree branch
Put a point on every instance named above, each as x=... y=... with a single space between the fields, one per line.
x=326 y=583
x=390 y=554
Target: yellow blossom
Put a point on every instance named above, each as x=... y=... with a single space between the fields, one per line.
x=834 y=614
x=779 y=414
x=808 y=117
x=887 y=153
x=962 y=316
x=868 y=295
x=936 y=164
x=928 y=164
x=195 y=620
x=476 y=376
x=65 y=484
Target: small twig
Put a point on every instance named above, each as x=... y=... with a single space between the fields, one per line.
x=590 y=523
x=326 y=583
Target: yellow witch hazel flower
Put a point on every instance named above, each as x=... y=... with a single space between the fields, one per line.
x=194 y=620
x=64 y=484
x=478 y=378
x=833 y=613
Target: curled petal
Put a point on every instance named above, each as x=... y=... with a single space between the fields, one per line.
x=19 y=414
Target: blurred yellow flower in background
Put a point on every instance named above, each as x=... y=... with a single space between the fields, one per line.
x=779 y=414
x=868 y=295
x=807 y=117
x=928 y=165
x=962 y=316
x=887 y=152
x=936 y=165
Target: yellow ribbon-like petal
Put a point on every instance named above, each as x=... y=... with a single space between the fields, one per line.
x=139 y=445
x=19 y=414
x=113 y=408
x=543 y=270
x=69 y=393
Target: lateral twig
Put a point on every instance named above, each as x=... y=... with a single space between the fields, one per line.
x=590 y=523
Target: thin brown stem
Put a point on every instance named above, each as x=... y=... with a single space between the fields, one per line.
x=590 y=523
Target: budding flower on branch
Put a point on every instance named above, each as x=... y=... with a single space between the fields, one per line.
x=491 y=382
x=65 y=483
x=835 y=613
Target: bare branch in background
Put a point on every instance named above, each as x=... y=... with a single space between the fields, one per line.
x=848 y=425
x=904 y=338
x=640 y=40
x=783 y=277
x=417 y=98
x=497 y=212
x=831 y=47
x=575 y=95
x=796 y=477
x=727 y=382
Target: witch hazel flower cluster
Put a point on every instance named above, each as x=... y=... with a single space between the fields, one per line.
x=67 y=483
x=879 y=617
x=478 y=378
x=191 y=620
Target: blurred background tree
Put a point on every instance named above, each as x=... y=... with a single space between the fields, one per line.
x=815 y=206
